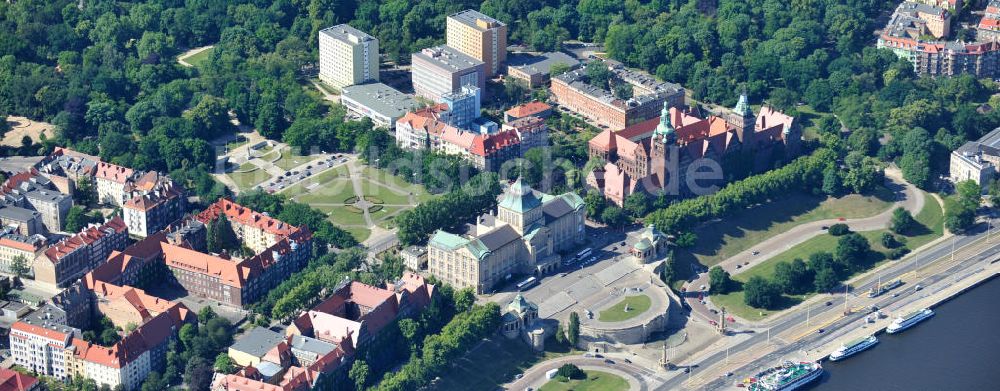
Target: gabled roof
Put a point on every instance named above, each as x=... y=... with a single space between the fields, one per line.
x=11 y=380
x=530 y=108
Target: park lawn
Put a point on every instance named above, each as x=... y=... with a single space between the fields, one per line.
x=616 y=313
x=595 y=381
x=385 y=178
x=333 y=192
x=341 y=215
x=291 y=159
x=931 y=217
x=240 y=140
x=494 y=362
x=248 y=176
x=199 y=58
x=385 y=194
x=720 y=240
x=359 y=233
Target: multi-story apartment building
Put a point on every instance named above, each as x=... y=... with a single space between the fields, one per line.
x=479 y=36
x=654 y=155
x=601 y=107
x=524 y=236
x=113 y=183
x=439 y=70
x=53 y=346
x=33 y=191
x=154 y=203
x=989 y=26
x=279 y=249
x=71 y=258
x=531 y=131
x=320 y=343
x=916 y=32
x=426 y=129
x=28 y=222
x=347 y=56
x=15 y=246
x=531 y=109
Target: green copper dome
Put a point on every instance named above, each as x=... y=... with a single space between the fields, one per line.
x=665 y=128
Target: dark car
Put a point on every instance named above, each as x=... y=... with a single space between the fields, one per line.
x=598 y=356
x=829 y=303
x=609 y=361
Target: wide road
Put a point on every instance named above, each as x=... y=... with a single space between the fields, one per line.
x=639 y=378
x=895 y=298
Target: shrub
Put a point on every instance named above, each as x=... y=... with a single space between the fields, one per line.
x=897 y=253
x=571 y=371
x=839 y=229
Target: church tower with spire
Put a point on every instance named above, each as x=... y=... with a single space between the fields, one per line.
x=664 y=137
x=742 y=118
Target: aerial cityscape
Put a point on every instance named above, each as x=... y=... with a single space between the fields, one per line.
x=532 y=195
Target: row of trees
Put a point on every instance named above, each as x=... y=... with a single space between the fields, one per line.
x=477 y=196
x=439 y=350
x=302 y=289
x=960 y=208
x=804 y=173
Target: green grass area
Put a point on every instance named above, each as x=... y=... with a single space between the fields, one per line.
x=344 y=215
x=325 y=87
x=394 y=181
x=616 y=313
x=248 y=176
x=596 y=381
x=385 y=194
x=721 y=240
x=931 y=219
x=199 y=58
x=291 y=159
x=332 y=192
x=359 y=233
x=494 y=362
x=808 y=118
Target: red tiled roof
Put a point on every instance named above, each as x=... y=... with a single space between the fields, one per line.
x=13 y=381
x=89 y=235
x=16 y=180
x=39 y=331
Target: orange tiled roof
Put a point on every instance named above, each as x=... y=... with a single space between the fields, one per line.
x=530 y=108
x=10 y=380
x=242 y=215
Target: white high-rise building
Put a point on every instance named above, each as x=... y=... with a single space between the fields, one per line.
x=347 y=56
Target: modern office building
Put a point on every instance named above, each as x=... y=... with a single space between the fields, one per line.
x=524 y=236
x=383 y=104
x=439 y=70
x=479 y=36
x=463 y=106
x=347 y=56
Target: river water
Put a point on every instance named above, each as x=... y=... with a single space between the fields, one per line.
x=956 y=350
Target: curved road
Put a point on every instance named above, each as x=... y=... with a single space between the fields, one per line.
x=638 y=377
x=908 y=197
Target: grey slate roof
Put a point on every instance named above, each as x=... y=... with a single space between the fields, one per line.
x=257 y=341
x=499 y=237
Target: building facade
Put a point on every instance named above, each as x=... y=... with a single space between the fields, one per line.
x=526 y=235
x=976 y=160
x=428 y=129
x=602 y=108
x=463 y=106
x=71 y=258
x=654 y=156
x=347 y=56
x=918 y=32
x=479 y=36
x=439 y=70
x=154 y=203
x=536 y=70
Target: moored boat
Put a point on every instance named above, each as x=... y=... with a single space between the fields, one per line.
x=787 y=377
x=909 y=320
x=853 y=347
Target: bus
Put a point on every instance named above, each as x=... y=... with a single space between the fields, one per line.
x=528 y=283
x=583 y=254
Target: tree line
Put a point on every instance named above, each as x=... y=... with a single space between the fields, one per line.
x=295 y=213
x=477 y=196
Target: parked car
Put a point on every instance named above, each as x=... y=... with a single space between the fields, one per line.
x=609 y=361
